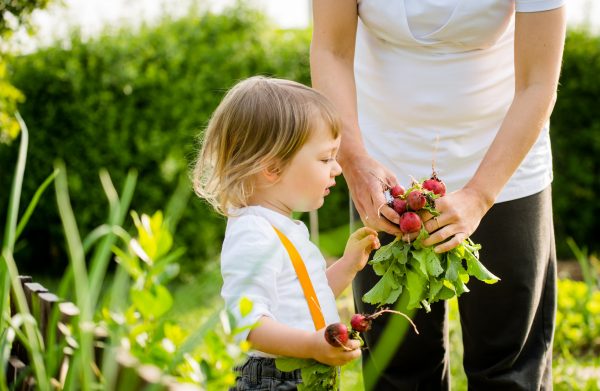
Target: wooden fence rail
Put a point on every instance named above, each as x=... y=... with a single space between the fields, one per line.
x=53 y=317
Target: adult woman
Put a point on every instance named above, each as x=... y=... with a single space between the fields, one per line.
x=480 y=77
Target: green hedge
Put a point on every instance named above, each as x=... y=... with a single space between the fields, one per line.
x=575 y=133
x=137 y=99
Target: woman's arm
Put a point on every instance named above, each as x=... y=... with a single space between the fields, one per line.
x=332 y=72
x=276 y=338
x=539 y=42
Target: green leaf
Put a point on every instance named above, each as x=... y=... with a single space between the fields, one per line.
x=245 y=306
x=315 y=375
x=152 y=304
x=446 y=293
x=129 y=262
x=381 y=267
x=33 y=203
x=435 y=286
x=400 y=252
x=454 y=266
x=420 y=259
x=384 y=253
x=423 y=234
x=288 y=364
x=477 y=270
x=459 y=284
x=433 y=262
x=416 y=285
x=384 y=290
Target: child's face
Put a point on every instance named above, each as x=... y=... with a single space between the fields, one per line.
x=306 y=180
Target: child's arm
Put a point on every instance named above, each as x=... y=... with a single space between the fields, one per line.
x=276 y=338
x=359 y=246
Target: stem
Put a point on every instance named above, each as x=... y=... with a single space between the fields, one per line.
x=380 y=312
x=384 y=184
x=435 y=149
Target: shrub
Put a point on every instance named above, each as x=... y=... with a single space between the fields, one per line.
x=137 y=99
x=575 y=132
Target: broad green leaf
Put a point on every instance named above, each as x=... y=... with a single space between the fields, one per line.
x=446 y=293
x=383 y=253
x=423 y=234
x=416 y=285
x=477 y=270
x=433 y=262
x=459 y=285
x=435 y=286
x=454 y=266
x=152 y=304
x=400 y=252
x=381 y=267
x=393 y=296
x=420 y=261
x=380 y=293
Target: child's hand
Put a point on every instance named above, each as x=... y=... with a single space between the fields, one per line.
x=359 y=246
x=331 y=355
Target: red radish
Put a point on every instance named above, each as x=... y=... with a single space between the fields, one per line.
x=399 y=205
x=435 y=185
x=410 y=222
x=397 y=191
x=336 y=334
x=416 y=200
x=360 y=322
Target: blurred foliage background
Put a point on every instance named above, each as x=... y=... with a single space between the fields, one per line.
x=137 y=99
x=140 y=97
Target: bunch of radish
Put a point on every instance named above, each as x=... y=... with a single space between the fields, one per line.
x=413 y=274
x=338 y=334
x=419 y=196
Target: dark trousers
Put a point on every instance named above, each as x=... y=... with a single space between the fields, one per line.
x=507 y=327
x=260 y=374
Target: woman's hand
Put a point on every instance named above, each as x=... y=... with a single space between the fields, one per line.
x=359 y=246
x=331 y=355
x=364 y=176
x=460 y=214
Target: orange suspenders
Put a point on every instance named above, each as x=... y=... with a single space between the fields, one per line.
x=307 y=287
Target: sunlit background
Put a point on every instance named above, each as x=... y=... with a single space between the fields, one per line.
x=133 y=94
x=91 y=16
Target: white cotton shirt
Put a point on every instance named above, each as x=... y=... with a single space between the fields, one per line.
x=434 y=81
x=255 y=264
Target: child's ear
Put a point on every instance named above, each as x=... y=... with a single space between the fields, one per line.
x=272 y=173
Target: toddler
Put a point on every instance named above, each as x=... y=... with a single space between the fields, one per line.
x=269 y=150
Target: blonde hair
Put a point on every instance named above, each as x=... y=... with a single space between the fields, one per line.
x=260 y=124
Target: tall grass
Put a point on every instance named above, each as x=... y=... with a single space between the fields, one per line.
x=86 y=284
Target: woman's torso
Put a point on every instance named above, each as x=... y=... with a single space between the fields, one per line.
x=434 y=80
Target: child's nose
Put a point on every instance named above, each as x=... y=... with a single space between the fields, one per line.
x=337 y=169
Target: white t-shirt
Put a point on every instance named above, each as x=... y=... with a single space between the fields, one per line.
x=255 y=264
x=443 y=70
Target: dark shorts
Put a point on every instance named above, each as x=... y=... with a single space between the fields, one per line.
x=258 y=374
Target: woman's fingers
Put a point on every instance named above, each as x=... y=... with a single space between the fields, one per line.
x=433 y=223
x=448 y=245
x=379 y=216
x=382 y=223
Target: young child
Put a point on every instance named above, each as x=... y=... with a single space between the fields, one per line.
x=269 y=150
